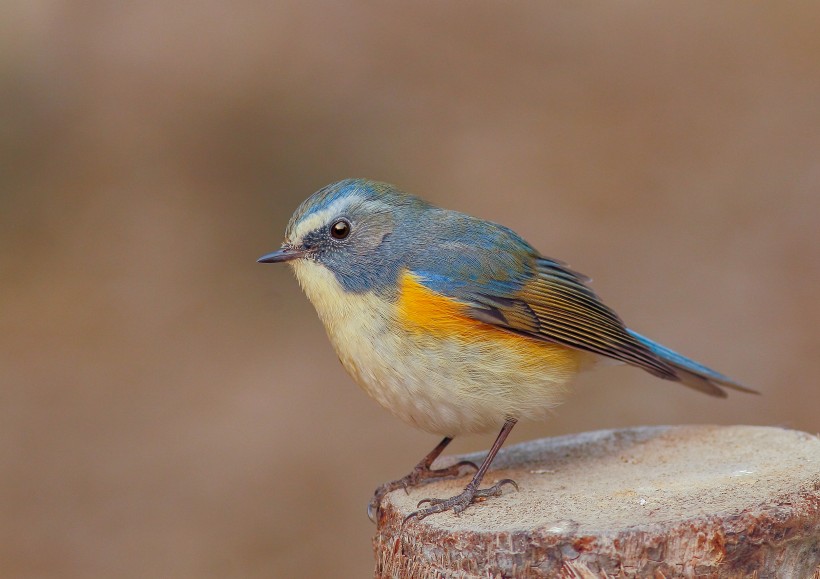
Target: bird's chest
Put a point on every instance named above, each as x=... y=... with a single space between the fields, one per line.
x=419 y=359
x=365 y=333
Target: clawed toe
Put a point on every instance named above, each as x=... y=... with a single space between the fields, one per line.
x=471 y=493
x=373 y=509
x=429 y=501
x=496 y=488
x=421 y=474
x=459 y=502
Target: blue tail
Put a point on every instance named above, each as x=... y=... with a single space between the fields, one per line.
x=692 y=374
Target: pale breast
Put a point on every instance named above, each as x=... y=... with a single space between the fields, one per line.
x=446 y=381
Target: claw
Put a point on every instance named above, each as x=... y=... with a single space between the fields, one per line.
x=506 y=481
x=418 y=476
x=459 y=502
x=471 y=492
x=373 y=512
x=422 y=473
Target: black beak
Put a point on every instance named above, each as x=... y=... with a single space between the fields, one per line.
x=284 y=253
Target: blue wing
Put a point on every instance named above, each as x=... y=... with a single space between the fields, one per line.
x=505 y=282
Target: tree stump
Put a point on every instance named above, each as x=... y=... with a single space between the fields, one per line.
x=682 y=501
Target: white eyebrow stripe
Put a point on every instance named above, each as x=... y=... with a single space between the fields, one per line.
x=320 y=218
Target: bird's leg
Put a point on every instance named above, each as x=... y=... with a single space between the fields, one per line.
x=419 y=475
x=471 y=494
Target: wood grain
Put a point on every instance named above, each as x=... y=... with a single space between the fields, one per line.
x=684 y=501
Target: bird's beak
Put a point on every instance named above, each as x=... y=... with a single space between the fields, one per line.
x=284 y=253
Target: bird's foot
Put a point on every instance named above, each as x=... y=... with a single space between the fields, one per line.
x=460 y=502
x=420 y=474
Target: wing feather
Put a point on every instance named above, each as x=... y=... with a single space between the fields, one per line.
x=545 y=300
x=505 y=282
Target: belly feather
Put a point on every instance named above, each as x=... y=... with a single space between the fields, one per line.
x=423 y=359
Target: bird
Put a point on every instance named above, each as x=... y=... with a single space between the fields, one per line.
x=455 y=324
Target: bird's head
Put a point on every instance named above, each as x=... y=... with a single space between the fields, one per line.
x=357 y=230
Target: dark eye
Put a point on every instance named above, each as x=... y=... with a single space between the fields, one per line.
x=340 y=229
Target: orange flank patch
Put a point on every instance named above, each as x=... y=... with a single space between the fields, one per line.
x=423 y=311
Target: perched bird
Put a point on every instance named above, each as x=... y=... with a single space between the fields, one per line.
x=455 y=324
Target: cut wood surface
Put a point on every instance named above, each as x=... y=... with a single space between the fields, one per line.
x=682 y=501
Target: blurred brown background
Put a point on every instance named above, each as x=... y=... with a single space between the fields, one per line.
x=169 y=408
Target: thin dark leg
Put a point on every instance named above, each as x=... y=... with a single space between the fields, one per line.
x=471 y=493
x=420 y=474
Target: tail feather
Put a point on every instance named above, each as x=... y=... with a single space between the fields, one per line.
x=692 y=374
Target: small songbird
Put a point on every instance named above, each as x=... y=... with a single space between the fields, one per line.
x=455 y=324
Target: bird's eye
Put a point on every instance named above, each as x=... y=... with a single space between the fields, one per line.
x=340 y=229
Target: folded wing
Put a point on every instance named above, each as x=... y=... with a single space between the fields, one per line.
x=523 y=292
